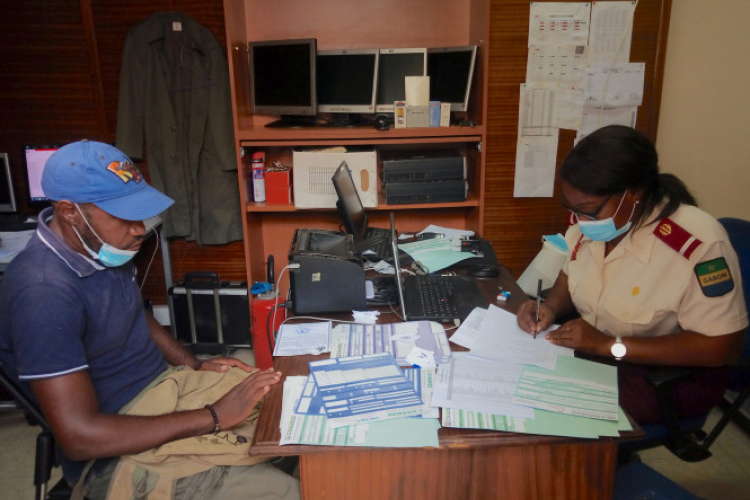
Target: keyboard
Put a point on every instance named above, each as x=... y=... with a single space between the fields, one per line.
x=15 y=222
x=378 y=241
x=437 y=296
x=441 y=298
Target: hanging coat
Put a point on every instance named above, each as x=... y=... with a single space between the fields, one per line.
x=174 y=92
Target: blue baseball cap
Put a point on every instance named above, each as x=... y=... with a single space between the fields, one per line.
x=94 y=172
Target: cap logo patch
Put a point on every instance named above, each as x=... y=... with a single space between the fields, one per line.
x=126 y=171
x=714 y=277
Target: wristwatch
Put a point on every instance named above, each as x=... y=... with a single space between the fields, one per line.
x=618 y=349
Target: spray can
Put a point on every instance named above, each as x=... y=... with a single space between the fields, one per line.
x=263 y=341
x=258 y=173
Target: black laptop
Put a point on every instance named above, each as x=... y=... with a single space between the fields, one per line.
x=434 y=298
x=372 y=242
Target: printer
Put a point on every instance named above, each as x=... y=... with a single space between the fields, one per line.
x=330 y=277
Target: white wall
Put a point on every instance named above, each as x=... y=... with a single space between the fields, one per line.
x=704 y=125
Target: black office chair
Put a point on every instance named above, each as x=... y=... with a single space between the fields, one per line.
x=46 y=451
x=685 y=438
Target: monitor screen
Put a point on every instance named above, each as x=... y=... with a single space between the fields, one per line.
x=349 y=203
x=36 y=157
x=394 y=66
x=450 y=70
x=347 y=80
x=282 y=76
x=7 y=192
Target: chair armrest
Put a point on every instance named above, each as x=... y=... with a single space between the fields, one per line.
x=666 y=375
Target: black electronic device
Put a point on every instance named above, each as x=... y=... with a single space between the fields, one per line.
x=327 y=275
x=7 y=190
x=283 y=80
x=435 y=298
x=405 y=193
x=484 y=271
x=393 y=68
x=346 y=84
x=374 y=243
x=382 y=123
x=450 y=70
x=423 y=165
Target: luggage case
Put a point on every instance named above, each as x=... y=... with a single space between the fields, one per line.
x=209 y=315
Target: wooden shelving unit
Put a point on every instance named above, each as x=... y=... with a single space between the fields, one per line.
x=338 y=24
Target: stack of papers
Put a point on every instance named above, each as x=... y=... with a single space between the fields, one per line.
x=360 y=401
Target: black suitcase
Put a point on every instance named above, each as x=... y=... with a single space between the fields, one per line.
x=209 y=315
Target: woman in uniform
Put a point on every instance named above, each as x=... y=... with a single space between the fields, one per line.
x=652 y=279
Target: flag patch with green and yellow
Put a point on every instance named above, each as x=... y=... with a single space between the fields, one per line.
x=714 y=277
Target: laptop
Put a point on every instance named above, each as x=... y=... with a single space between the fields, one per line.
x=434 y=298
x=373 y=242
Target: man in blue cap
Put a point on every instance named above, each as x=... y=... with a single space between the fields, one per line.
x=75 y=334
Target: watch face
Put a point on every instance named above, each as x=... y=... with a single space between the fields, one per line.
x=618 y=350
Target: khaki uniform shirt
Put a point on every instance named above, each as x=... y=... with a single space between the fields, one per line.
x=645 y=288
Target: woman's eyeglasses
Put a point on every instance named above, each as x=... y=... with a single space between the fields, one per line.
x=588 y=215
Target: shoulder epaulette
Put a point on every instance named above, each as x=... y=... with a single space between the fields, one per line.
x=676 y=237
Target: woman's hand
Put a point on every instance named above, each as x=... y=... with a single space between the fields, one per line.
x=526 y=317
x=581 y=335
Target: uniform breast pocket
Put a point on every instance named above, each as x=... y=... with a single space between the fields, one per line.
x=624 y=316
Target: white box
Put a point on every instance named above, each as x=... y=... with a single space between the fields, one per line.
x=312 y=172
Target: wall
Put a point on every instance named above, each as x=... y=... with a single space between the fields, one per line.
x=704 y=128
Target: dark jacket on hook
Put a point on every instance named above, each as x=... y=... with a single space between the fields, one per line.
x=174 y=90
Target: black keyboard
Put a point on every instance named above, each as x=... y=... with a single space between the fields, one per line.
x=437 y=296
x=378 y=241
x=15 y=222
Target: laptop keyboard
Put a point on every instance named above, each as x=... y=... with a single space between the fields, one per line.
x=378 y=241
x=437 y=296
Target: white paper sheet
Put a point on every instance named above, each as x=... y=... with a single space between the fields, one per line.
x=303 y=338
x=611 y=31
x=535 y=166
x=501 y=339
x=552 y=23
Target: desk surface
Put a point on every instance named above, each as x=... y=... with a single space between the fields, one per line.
x=469 y=463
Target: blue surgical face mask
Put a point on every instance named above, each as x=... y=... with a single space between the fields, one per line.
x=107 y=255
x=605 y=229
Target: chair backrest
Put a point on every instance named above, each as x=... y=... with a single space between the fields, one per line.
x=739 y=234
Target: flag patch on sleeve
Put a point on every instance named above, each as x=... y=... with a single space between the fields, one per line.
x=714 y=277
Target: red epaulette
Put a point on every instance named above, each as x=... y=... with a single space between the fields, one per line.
x=676 y=237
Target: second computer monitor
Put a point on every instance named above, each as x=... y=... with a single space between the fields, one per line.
x=450 y=70
x=394 y=66
x=347 y=80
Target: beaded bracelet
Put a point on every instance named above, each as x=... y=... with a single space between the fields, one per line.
x=217 y=427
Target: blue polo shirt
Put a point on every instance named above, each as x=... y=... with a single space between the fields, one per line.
x=63 y=312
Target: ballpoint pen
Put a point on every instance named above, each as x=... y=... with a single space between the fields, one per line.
x=538 y=301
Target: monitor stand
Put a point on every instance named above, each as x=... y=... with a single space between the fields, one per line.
x=293 y=121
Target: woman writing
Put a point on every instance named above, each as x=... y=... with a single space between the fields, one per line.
x=653 y=278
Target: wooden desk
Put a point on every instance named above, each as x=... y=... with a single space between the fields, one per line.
x=469 y=464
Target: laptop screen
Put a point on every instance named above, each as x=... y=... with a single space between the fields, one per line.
x=397 y=267
x=349 y=204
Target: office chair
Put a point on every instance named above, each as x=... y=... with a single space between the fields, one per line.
x=46 y=457
x=685 y=438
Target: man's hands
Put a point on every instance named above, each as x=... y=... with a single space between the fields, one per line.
x=222 y=364
x=237 y=405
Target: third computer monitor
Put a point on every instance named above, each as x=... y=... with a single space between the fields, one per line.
x=394 y=66
x=450 y=70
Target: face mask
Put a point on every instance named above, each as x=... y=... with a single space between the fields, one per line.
x=108 y=255
x=605 y=229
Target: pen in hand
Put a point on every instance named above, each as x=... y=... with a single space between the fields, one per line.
x=538 y=301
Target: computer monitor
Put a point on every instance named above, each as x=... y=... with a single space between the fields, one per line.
x=7 y=191
x=347 y=80
x=349 y=204
x=394 y=66
x=450 y=70
x=283 y=80
x=36 y=158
